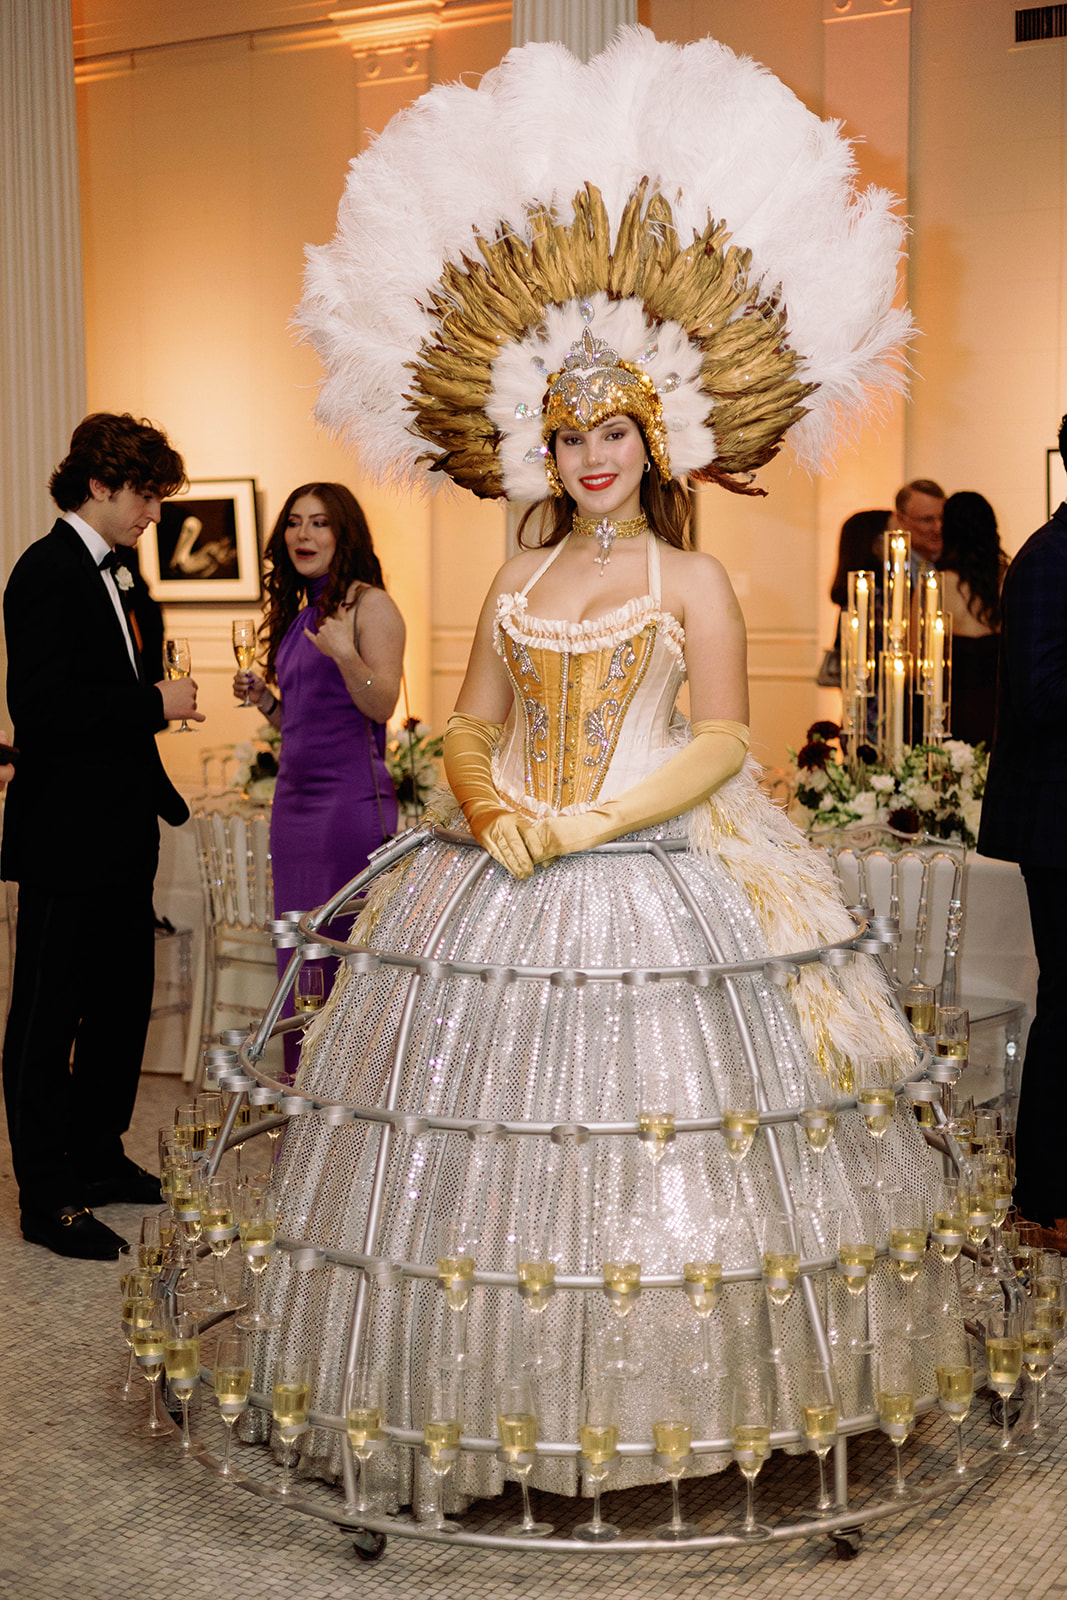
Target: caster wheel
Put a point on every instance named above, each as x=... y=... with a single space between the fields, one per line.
x=846 y=1543
x=368 y=1545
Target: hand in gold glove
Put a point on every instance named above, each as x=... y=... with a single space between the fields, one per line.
x=468 y=750
x=716 y=753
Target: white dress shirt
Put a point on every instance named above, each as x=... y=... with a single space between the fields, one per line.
x=98 y=548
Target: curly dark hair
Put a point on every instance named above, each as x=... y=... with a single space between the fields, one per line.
x=971 y=548
x=353 y=561
x=667 y=506
x=855 y=550
x=119 y=452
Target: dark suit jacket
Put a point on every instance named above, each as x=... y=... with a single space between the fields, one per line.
x=89 y=785
x=1024 y=812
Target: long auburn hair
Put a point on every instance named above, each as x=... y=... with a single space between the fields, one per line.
x=667 y=506
x=353 y=561
x=971 y=548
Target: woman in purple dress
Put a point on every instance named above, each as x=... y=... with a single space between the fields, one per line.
x=334 y=647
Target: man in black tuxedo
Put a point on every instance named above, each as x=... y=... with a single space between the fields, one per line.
x=1024 y=819
x=81 y=836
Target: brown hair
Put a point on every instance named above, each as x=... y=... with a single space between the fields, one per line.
x=917 y=486
x=855 y=549
x=117 y=451
x=972 y=550
x=667 y=506
x=354 y=561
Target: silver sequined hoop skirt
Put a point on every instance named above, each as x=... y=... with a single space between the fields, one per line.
x=557 y=1051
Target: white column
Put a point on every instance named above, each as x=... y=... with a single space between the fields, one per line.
x=42 y=321
x=585 y=26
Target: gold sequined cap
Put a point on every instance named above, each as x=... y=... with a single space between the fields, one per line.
x=593 y=384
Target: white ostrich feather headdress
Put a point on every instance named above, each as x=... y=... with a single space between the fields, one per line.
x=674 y=207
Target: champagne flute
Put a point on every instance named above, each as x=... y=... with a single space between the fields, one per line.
x=457 y=1244
x=188 y=1134
x=907 y=1244
x=703 y=1280
x=244 y=649
x=1004 y=1355
x=516 y=1421
x=818 y=1122
x=309 y=990
x=949 y=1228
x=364 y=1412
x=233 y=1382
x=1039 y=1344
x=751 y=1412
x=819 y=1416
x=208 y=1105
x=181 y=1359
x=441 y=1435
x=622 y=1285
x=150 y=1247
x=855 y=1262
x=918 y=1000
x=148 y=1334
x=598 y=1440
x=655 y=1117
x=537 y=1285
x=953 y=1033
x=877 y=1099
x=257 y=1224
x=290 y=1399
x=739 y=1123
x=955 y=1384
x=218 y=1222
x=672 y=1434
x=178 y=663
x=895 y=1392
x=128 y=1291
x=781 y=1263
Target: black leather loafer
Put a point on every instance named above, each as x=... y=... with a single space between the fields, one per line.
x=131 y=1185
x=72 y=1231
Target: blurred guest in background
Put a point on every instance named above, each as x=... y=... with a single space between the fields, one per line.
x=974 y=565
x=918 y=509
x=334 y=645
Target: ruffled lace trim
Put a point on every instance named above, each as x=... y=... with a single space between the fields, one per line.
x=600 y=633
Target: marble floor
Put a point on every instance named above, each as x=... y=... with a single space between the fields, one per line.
x=90 y=1512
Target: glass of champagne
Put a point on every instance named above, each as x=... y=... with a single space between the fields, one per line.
x=257 y=1225
x=457 y=1245
x=703 y=1279
x=949 y=1227
x=441 y=1435
x=955 y=1384
x=979 y=1200
x=516 y=1421
x=290 y=1399
x=309 y=990
x=598 y=1440
x=537 y=1262
x=148 y=1337
x=907 y=1244
x=178 y=663
x=364 y=1414
x=132 y=1282
x=819 y=1415
x=150 y=1247
x=208 y=1105
x=920 y=1008
x=1039 y=1344
x=1004 y=1355
x=244 y=648
x=622 y=1285
x=740 y=1120
x=751 y=1413
x=655 y=1117
x=953 y=1033
x=781 y=1263
x=186 y=1130
x=181 y=1359
x=233 y=1383
x=855 y=1262
x=877 y=1100
x=1049 y=1315
x=218 y=1224
x=895 y=1393
x=672 y=1434
x=818 y=1122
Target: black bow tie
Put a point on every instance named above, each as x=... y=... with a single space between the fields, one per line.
x=110 y=562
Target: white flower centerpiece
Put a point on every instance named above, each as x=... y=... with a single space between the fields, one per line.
x=413 y=756
x=257 y=764
x=934 y=789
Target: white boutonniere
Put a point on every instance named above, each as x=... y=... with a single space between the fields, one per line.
x=123 y=578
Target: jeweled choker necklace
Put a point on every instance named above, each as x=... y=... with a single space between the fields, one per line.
x=605 y=532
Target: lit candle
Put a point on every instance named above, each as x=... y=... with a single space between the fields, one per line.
x=862 y=601
x=896 y=707
x=898 y=548
x=938 y=673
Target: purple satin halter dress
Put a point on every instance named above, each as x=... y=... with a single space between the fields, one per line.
x=334 y=802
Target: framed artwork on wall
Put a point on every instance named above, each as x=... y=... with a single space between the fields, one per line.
x=205 y=550
x=1055 y=482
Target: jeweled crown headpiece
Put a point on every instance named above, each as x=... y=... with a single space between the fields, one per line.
x=500 y=270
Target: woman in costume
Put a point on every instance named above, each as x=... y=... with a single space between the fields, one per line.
x=593 y=346
x=334 y=644
x=974 y=565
